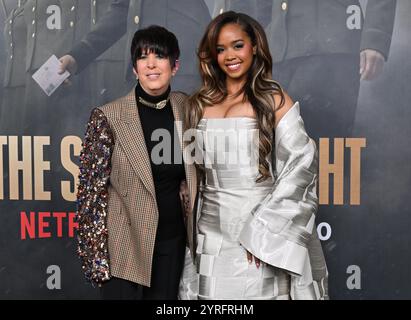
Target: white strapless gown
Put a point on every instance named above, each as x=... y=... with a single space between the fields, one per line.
x=229 y=194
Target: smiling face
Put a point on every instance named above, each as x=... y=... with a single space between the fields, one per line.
x=235 y=52
x=154 y=72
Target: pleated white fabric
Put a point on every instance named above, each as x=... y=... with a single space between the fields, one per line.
x=273 y=219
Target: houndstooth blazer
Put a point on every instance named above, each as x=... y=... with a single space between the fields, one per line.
x=117 y=210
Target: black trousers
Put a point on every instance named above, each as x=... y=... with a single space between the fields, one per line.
x=168 y=263
x=327 y=88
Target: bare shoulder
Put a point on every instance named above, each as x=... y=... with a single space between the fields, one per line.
x=280 y=112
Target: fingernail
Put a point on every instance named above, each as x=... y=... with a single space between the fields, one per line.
x=249 y=261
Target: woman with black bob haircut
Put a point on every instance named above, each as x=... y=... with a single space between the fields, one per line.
x=132 y=237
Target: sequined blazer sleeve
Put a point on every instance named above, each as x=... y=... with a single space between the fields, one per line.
x=92 y=198
x=280 y=227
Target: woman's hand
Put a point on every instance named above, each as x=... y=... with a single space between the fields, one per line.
x=250 y=258
x=185 y=198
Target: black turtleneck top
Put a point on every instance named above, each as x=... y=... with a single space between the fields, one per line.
x=167 y=174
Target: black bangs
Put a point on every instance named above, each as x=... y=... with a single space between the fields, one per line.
x=145 y=47
x=155 y=39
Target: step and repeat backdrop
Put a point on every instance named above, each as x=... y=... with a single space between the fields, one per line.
x=347 y=62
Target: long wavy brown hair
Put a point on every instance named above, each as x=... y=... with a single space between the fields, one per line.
x=259 y=88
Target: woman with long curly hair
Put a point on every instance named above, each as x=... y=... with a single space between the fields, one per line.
x=255 y=223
